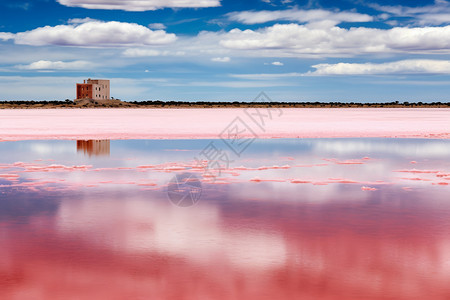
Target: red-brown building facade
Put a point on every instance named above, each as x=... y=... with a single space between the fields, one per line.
x=96 y=89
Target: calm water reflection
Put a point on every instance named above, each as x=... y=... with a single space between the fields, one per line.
x=289 y=219
x=94 y=147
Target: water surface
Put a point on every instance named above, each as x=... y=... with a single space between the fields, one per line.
x=285 y=219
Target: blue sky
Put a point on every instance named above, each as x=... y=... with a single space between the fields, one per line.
x=316 y=50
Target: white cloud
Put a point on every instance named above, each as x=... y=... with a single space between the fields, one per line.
x=410 y=66
x=278 y=2
x=436 y=14
x=133 y=52
x=275 y=63
x=82 y=20
x=56 y=65
x=158 y=26
x=221 y=59
x=5 y=36
x=94 y=34
x=302 y=16
x=434 y=19
x=139 y=5
x=145 y=52
x=281 y=40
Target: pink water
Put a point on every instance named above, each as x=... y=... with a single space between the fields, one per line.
x=289 y=219
x=209 y=123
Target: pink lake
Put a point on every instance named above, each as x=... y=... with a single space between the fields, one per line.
x=341 y=218
x=225 y=204
x=210 y=123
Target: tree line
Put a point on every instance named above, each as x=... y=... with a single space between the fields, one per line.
x=159 y=103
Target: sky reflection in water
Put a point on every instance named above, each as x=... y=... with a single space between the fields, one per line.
x=309 y=219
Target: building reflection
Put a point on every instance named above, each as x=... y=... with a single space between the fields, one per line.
x=94 y=147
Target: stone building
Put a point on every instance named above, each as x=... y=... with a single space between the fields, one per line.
x=95 y=89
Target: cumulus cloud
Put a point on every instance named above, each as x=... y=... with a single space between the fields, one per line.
x=297 y=15
x=304 y=40
x=139 y=5
x=5 y=36
x=221 y=59
x=94 y=34
x=277 y=63
x=410 y=66
x=56 y=65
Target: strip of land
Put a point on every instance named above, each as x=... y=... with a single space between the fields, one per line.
x=115 y=103
x=230 y=123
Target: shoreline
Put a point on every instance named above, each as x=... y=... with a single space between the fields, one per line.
x=226 y=107
x=115 y=104
x=112 y=124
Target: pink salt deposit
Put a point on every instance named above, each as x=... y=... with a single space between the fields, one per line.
x=210 y=123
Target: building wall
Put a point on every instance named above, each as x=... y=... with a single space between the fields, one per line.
x=100 y=89
x=96 y=89
x=84 y=91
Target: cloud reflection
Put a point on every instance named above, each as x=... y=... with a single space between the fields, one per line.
x=320 y=223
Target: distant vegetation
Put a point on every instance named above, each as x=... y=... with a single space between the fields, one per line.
x=206 y=104
x=285 y=104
